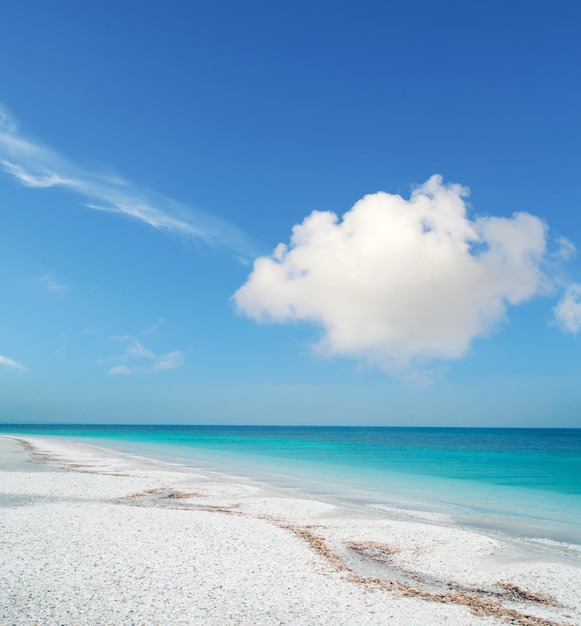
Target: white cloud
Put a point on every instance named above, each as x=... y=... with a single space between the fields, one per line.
x=137 y=350
x=6 y=121
x=119 y=370
x=37 y=166
x=122 y=338
x=566 y=249
x=169 y=361
x=53 y=285
x=398 y=283
x=136 y=358
x=152 y=329
x=568 y=310
x=11 y=364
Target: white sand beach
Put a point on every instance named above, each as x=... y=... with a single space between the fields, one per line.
x=92 y=536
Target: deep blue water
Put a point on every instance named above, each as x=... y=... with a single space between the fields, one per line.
x=527 y=481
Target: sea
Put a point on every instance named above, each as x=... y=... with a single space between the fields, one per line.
x=524 y=482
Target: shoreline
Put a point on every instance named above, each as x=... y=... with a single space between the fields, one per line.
x=525 y=495
x=324 y=562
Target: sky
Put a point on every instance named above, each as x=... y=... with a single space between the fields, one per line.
x=291 y=213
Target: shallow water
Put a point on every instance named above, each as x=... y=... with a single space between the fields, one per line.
x=522 y=481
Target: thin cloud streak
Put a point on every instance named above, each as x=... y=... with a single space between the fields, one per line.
x=11 y=364
x=36 y=166
x=170 y=361
x=138 y=359
x=160 y=322
x=119 y=370
x=53 y=285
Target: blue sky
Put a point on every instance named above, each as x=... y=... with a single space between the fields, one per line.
x=151 y=153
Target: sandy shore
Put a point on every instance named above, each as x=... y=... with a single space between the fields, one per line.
x=91 y=536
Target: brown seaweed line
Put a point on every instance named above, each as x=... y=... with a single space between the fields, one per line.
x=482 y=606
x=382 y=554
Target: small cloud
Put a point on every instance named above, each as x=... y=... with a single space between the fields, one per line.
x=137 y=350
x=568 y=310
x=122 y=338
x=137 y=358
x=7 y=123
x=12 y=365
x=119 y=370
x=53 y=285
x=566 y=249
x=169 y=361
x=160 y=322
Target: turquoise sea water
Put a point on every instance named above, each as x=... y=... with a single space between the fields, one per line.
x=523 y=481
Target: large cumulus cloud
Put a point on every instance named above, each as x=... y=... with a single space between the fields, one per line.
x=398 y=282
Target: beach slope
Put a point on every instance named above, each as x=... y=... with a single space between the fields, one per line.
x=92 y=536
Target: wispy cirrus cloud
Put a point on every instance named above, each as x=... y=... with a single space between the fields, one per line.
x=53 y=285
x=169 y=361
x=138 y=359
x=152 y=329
x=119 y=370
x=37 y=166
x=12 y=365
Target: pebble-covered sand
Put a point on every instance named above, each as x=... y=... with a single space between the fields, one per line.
x=92 y=536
